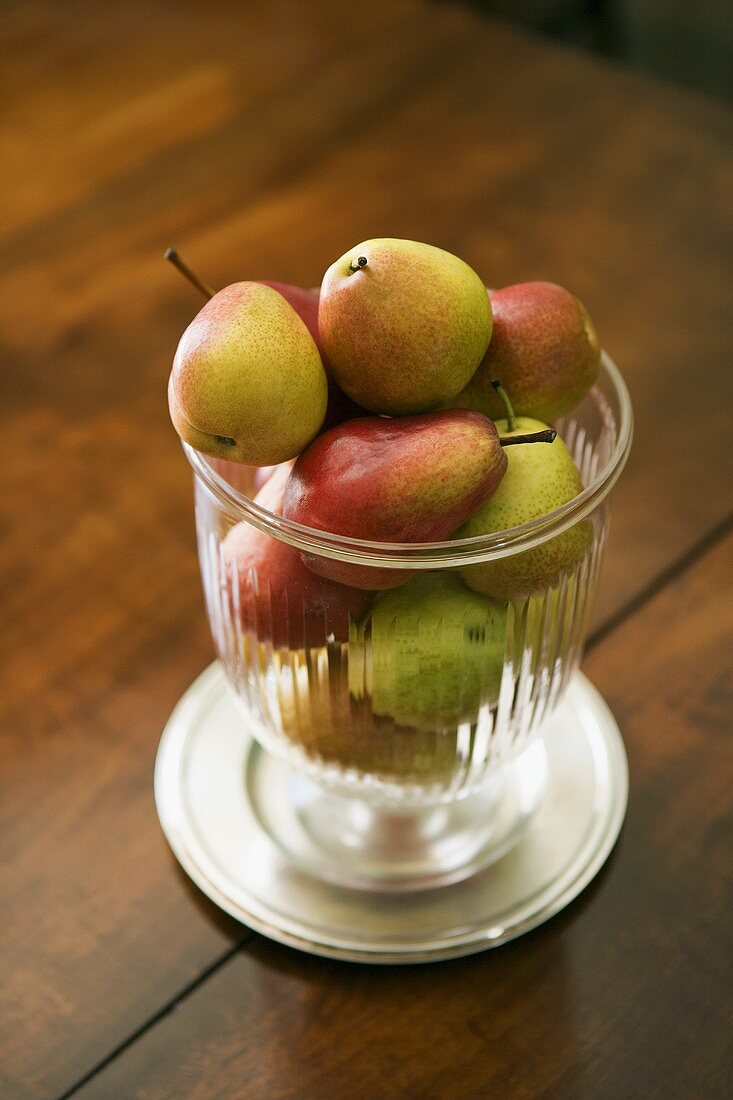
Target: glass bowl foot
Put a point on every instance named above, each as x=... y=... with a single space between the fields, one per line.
x=284 y=875
x=349 y=841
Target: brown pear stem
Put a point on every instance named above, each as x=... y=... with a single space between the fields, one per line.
x=549 y=435
x=171 y=255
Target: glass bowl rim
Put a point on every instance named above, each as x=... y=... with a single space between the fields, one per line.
x=453 y=552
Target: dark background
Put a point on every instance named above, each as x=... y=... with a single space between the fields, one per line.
x=689 y=42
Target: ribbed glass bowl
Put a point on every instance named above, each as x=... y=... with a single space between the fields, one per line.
x=425 y=694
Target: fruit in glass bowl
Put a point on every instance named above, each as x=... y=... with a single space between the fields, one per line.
x=344 y=644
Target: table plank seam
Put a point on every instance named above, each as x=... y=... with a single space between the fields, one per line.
x=160 y=1014
x=665 y=578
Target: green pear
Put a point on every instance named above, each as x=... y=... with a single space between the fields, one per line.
x=537 y=480
x=404 y=325
x=429 y=654
x=248 y=383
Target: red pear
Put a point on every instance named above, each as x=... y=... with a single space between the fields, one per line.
x=544 y=350
x=281 y=600
x=412 y=479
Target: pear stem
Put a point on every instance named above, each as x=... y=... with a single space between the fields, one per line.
x=171 y=254
x=361 y=262
x=504 y=398
x=549 y=435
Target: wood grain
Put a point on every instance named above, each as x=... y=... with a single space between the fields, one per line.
x=625 y=994
x=263 y=140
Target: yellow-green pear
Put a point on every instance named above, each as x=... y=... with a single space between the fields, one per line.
x=404 y=325
x=429 y=654
x=537 y=481
x=248 y=383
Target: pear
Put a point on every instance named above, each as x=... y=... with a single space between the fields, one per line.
x=248 y=383
x=544 y=349
x=537 y=480
x=412 y=479
x=404 y=325
x=305 y=303
x=429 y=654
x=278 y=598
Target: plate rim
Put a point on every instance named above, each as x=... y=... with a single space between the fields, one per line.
x=170 y=807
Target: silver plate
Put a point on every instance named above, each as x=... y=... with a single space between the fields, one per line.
x=207 y=815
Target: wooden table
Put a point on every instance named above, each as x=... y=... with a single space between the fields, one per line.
x=263 y=139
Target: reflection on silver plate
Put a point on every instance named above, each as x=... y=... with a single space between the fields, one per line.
x=207 y=815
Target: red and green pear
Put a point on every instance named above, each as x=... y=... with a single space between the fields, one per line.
x=279 y=599
x=404 y=325
x=248 y=383
x=411 y=479
x=544 y=349
x=305 y=303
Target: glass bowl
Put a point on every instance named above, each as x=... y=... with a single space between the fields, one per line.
x=410 y=719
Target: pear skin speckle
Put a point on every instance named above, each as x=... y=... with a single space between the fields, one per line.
x=405 y=332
